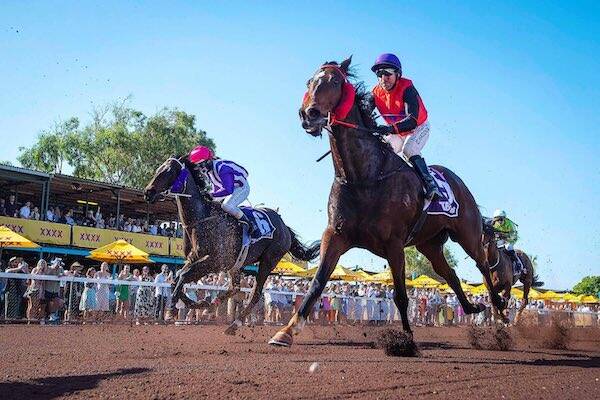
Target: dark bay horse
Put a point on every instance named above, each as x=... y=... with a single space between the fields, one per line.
x=212 y=239
x=376 y=199
x=501 y=270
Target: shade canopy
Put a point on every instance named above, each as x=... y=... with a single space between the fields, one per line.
x=9 y=238
x=423 y=281
x=288 y=268
x=339 y=273
x=120 y=252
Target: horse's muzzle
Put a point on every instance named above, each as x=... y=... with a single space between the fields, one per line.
x=150 y=195
x=312 y=122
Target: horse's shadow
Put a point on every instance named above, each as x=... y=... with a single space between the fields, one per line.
x=59 y=386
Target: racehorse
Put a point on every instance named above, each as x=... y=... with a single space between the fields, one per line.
x=377 y=201
x=212 y=239
x=501 y=269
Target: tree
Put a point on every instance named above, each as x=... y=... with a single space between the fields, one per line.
x=418 y=264
x=49 y=154
x=120 y=145
x=589 y=285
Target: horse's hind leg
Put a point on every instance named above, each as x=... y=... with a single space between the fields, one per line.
x=264 y=269
x=233 y=288
x=435 y=254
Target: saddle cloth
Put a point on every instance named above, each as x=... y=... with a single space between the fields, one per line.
x=263 y=227
x=447 y=205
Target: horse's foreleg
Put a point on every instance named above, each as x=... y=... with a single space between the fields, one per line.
x=332 y=247
x=397 y=266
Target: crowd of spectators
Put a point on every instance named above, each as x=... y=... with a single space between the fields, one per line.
x=91 y=218
x=124 y=300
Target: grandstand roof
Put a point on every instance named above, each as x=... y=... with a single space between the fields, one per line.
x=70 y=191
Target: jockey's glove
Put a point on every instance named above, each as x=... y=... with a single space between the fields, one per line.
x=384 y=130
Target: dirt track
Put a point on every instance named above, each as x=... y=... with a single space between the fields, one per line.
x=108 y=361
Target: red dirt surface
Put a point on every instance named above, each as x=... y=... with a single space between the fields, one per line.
x=156 y=362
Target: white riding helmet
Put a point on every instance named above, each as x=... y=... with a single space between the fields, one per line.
x=499 y=214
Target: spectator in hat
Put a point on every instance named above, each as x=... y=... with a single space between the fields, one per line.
x=52 y=289
x=73 y=292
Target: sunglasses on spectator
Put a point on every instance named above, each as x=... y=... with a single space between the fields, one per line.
x=385 y=72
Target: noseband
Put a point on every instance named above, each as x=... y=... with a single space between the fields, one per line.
x=179 y=186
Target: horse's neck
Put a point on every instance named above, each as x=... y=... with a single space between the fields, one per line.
x=194 y=208
x=355 y=157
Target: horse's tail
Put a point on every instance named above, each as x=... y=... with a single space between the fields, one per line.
x=302 y=252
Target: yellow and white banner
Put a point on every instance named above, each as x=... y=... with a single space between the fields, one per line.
x=39 y=231
x=92 y=238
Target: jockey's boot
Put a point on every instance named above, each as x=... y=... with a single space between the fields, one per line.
x=518 y=267
x=431 y=188
x=244 y=220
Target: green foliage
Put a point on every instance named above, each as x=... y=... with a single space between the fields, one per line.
x=50 y=152
x=418 y=264
x=120 y=145
x=589 y=285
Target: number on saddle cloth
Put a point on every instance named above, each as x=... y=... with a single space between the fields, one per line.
x=448 y=205
x=261 y=221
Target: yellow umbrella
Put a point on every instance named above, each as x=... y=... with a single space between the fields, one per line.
x=590 y=299
x=288 y=268
x=480 y=289
x=120 y=252
x=424 y=281
x=8 y=238
x=518 y=293
x=571 y=298
x=550 y=296
x=534 y=294
x=339 y=273
x=364 y=277
x=382 y=277
x=465 y=287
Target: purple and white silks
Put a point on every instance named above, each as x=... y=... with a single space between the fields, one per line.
x=226 y=176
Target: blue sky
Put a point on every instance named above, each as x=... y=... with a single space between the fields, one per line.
x=512 y=90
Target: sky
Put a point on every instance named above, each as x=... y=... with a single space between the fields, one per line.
x=512 y=90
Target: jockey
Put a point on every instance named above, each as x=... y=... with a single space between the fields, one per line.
x=401 y=107
x=229 y=181
x=507 y=237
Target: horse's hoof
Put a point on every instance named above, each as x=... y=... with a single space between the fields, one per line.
x=231 y=330
x=281 y=339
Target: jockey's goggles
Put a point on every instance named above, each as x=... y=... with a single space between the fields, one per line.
x=385 y=72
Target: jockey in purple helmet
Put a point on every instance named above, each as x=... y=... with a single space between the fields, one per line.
x=229 y=181
x=402 y=108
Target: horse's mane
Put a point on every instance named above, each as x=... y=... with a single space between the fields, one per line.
x=363 y=98
x=195 y=173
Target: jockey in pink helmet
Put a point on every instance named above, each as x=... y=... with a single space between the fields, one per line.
x=229 y=181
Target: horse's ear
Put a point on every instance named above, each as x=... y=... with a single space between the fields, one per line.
x=345 y=64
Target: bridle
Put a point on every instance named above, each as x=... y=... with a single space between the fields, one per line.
x=332 y=120
x=487 y=244
x=179 y=187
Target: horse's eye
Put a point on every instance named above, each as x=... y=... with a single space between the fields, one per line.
x=336 y=81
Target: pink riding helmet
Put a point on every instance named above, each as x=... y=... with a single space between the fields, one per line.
x=201 y=153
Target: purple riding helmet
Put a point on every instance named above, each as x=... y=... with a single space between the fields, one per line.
x=387 y=60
